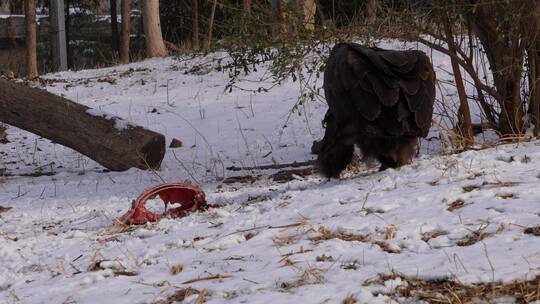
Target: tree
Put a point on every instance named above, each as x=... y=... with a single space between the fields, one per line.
x=508 y=33
x=281 y=16
x=195 y=24
x=533 y=55
x=278 y=13
x=155 y=47
x=503 y=43
x=31 y=44
x=464 y=113
x=371 y=11
x=247 y=6
x=126 y=31
x=114 y=26
x=15 y=7
x=309 y=8
x=211 y=25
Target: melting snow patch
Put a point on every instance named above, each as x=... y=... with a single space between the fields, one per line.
x=119 y=123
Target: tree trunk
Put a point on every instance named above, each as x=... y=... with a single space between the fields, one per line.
x=505 y=57
x=282 y=17
x=534 y=84
x=536 y=105
x=371 y=11
x=532 y=25
x=126 y=31
x=155 y=47
x=247 y=7
x=114 y=27
x=69 y=51
x=59 y=33
x=15 y=7
x=309 y=9
x=108 y=140
x=31 y=39
x=464 y=114
x=195 y=24
x=211 y=25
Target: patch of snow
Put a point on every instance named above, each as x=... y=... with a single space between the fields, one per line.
x=119 y=123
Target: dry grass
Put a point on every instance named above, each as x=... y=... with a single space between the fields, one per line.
x=533 y=230
x=326 y=234
x=426 y=236
x=280 y=241
x=490 y=185
x=391 y=231
x=457 y=204
x=310 y=276
x=349 y=300
x=180 y=296
x=448 y=291
x=479 y=234
x=324 y=258
x=386 y=247
x=350 y=265
x=504 y=195
x=208 y=278
x=176 y=269
x=470 y=188
x=117 y=268
x=475 y=236
x=289 y=263
x=202 y=297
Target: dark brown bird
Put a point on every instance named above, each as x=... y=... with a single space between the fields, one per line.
x=381 y=100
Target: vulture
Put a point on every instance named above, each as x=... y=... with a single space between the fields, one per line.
x=380 y=100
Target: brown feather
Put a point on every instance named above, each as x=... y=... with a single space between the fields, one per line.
x=402 y=110
x=397 y=59
x=387 y=96
x=370 y=108
x=410 y=86
x=378 y=99
x=372 y=57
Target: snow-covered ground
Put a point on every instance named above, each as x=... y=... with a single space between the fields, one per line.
x=457 y=217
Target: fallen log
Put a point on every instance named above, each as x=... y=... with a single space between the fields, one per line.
x=109 y=140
